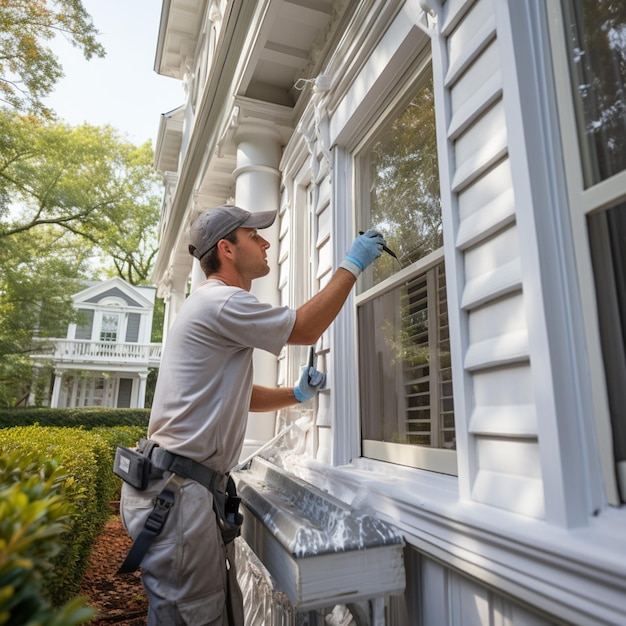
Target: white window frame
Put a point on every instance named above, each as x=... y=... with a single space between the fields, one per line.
x=582 y=203
x=420 y=457
x=296 y=257
x=118 y=333
x=402 y=46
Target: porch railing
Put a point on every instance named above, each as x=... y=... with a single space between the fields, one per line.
x=82 y=351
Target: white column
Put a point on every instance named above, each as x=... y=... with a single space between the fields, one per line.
x=56 y=390
x=141 y=392
x=257 y=188
x=32 y=394
x=174 y=297
x=197 y=275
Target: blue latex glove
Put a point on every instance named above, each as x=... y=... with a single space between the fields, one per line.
x=311 y=381
x=364 y=250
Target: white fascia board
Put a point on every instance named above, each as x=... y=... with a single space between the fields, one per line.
x=169 y=136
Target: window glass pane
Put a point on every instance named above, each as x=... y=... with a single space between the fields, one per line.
x=404 y=199
x=108 y=329
x=84 y=324
x=595 y=33
x=607 y=235
x=406 y=381
x=97 y=393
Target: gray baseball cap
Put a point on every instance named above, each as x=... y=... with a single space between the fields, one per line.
x=214 y=224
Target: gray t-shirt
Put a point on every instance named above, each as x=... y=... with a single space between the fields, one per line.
x=202 y=396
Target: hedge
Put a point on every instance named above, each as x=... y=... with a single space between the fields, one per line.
x=77 y=417
x=86 y=459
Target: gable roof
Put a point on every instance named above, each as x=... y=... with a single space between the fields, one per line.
x=141 y=297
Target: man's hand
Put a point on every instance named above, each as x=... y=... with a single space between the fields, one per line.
x=365 y=249
x=311 y=381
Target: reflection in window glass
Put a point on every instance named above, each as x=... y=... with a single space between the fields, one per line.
x=596 y=40
x=607 y=235
x=405 y=205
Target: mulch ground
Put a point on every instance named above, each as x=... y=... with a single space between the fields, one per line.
x=119 y=600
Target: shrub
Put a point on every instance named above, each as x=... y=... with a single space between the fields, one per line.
x=86 y=459
x=34 y=515
x=87 y=418
x=115 y=436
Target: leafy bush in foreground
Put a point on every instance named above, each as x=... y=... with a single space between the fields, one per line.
x=85 y=457
x=34 y=516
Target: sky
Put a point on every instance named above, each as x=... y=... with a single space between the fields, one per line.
x=122 y=89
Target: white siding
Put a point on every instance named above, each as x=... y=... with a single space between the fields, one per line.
x=503 y=456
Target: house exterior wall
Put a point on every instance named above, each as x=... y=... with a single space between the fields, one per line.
x=528 y=529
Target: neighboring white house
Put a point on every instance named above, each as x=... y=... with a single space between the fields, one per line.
x=105 y=358
x=476 y=399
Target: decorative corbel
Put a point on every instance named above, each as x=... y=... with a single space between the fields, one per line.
x=432 y=8
x=233 y=122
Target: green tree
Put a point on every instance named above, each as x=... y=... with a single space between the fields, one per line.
x=75 y=203
x=87 y=184
x=29 y=69
x=35 y=289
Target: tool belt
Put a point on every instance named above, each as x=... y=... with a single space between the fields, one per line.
x=149 y=461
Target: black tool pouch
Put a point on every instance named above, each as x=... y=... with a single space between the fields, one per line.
x=132 y=467
x=226 y=506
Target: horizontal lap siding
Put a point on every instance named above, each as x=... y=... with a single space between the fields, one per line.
x=503 y=451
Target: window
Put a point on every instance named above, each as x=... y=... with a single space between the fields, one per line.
x=596 y=40
x=84 y=324
x=109 y=327
x=94 y=392
x=407 y=411
x=590 y=44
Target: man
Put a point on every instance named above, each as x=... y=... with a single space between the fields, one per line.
x=203 y=395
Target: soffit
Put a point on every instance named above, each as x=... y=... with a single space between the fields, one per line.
x=292 y=34
x=178 y=35
x=285 y=48
x=288 y=45
x=169 y=141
